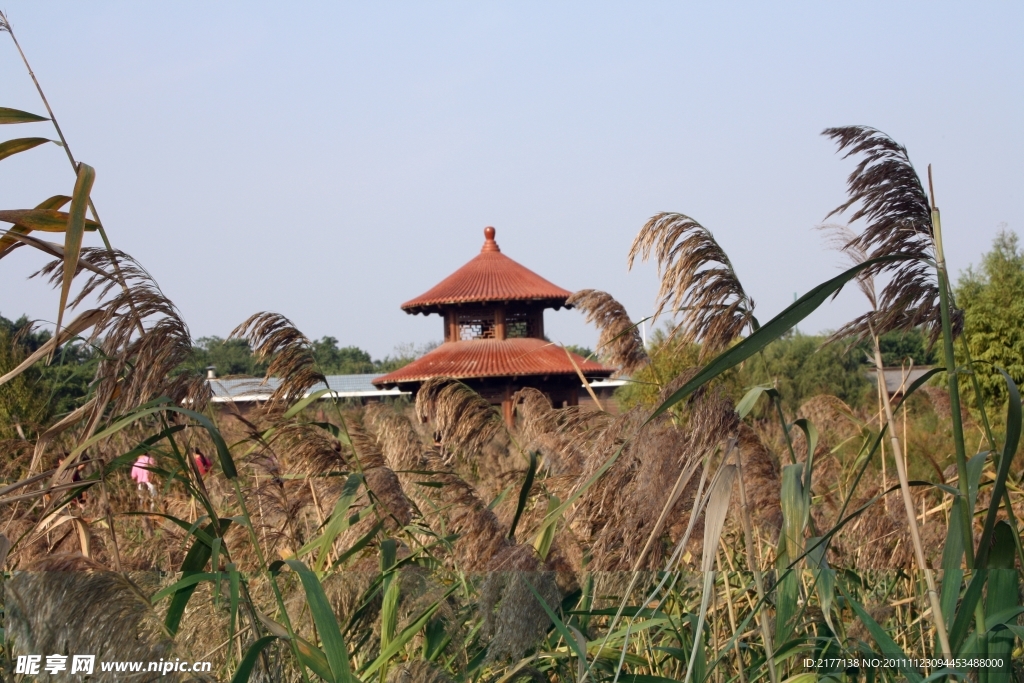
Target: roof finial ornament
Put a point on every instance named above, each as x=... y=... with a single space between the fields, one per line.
x=489 y=243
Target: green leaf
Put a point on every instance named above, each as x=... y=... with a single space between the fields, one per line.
x=889 y=647
x=952 y=558
x=750 y=399
x=1003 y=596
x=301 y=405
x=405 y=636
x=12 y=147
x=964 y=615
x=326 y=624
x=363 y=541
x=16 y=116
x=1013 y=427
x=570 y=640
x=339 y=520
x=185 y=582
x=524 y=496
x=811 y=437
x=824 y=580
x=248 y=662
x=195 y=561
x=43 y=220
x=772 y=330
x=73 y=234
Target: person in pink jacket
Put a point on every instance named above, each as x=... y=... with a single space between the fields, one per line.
x=142 y=475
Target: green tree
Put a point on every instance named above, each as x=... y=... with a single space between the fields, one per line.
x=228 y=356
x=23 y=399
x=801 y=367
x=45 y=390
x=346 y=360
x=903 y=347
x=992 y=298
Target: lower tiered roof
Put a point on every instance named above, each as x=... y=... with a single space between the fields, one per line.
x=480 y=358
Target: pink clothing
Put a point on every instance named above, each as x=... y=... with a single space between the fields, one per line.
x=140 y=474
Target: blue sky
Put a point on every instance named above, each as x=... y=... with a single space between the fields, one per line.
x=330 y=161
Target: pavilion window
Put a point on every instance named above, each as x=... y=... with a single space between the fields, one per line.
x=476 y=325
x=520 y=325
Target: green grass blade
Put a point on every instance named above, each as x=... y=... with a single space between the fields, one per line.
x=248 y=662
x=964 y=615
x=524 y=495
x=405 y=636
x=185 y=582
x=888 y=646
x=339 y=518
x=301 y=405
x=751 y=398
x=1013 y=427
x=195 y=561
x=326 y=624
x=560 y=626
x=1003 y=596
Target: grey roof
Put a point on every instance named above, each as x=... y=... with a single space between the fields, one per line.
x=248 y=389
x=898 y=380
x=245 y=389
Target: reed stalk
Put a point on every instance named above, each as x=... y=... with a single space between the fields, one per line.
x=908 y=503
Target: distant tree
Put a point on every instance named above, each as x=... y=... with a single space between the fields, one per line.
x=228 y=356
x=23 y=399
x=992 y=299
x=904 y=347
x=801 y=367
x=670 y=356
x=347 y=360
x=45 y=390
x=581 y=351
x=403 y=355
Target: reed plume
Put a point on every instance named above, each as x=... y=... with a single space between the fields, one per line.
x=697 y=280
x=513 y=618
x=482 y=544
x=885 y=192
x=69 y=604
x=619 y=343
x=273 y=337
x=463 y=421
x=134 y=367
x=562 y=435
x=617 y=515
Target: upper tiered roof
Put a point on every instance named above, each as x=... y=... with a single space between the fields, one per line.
x=490 y=276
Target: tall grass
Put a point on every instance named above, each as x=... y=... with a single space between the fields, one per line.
x=695 y=538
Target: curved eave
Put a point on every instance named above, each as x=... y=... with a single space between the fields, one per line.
x=440 y=306
x=492 y=358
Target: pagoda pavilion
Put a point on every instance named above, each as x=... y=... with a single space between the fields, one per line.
x=493 y=311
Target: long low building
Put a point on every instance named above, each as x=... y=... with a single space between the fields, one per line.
x=248 y=390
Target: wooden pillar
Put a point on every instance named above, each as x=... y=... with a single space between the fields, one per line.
x=499 y=322
x=452 y=329
x=508 y=412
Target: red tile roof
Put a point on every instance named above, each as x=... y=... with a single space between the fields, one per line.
x=479 y=358
x=490 y=276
